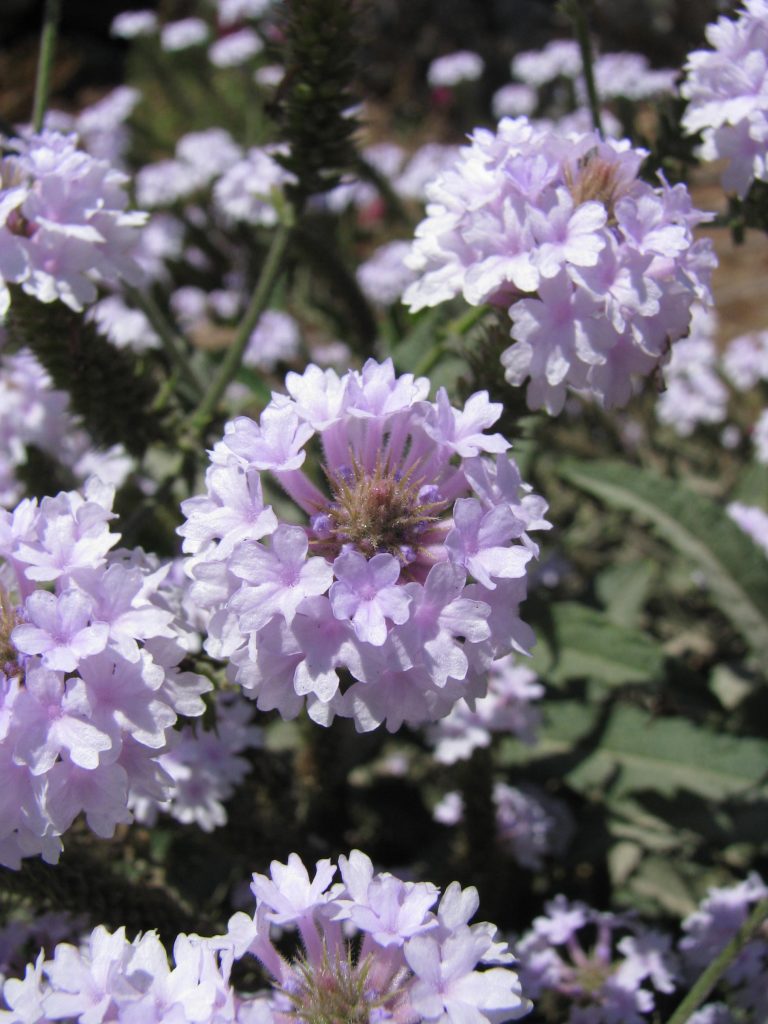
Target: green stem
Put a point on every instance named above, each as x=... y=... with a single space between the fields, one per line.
x=453 y=329
x=574 y=9
x=234 y=354
x=45 y=61
x=712 y=974
x=173 y=344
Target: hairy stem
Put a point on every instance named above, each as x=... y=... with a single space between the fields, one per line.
x=230 y=364
x=717 y=968
x=574 y=9
x=45 y=61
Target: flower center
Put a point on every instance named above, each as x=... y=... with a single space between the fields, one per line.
x=9 y=620
x=336 y=991
x=595 y=179
x=381 y=511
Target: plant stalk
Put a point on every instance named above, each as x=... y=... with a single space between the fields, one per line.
x=48 y=35
x=230 y=364
x=574 y=9
x=714 y=972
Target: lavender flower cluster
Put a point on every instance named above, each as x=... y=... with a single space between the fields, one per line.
x=598 y=270
x=410 y=963
x=64 y=224
x=407 y=574
x=727 y=92
x=90 y=687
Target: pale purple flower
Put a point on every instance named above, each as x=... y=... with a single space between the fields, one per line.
x=274 y=339
x=91 y=691
x=235 y=49
x=453 y=68
x=64 y=223
x=233 y=11
x=366 y=592
x=745 y=360
x=709 y=928
x=559 y=58
x=181 y=35
x=574 y=953
x=249 y=189
x=695 y=392
x=507 y=708
x=752 y=520
x=727 y=92
x=131 y=24
x=514 y=100
x=597 y=269
x=384 y=276
x=379 y=581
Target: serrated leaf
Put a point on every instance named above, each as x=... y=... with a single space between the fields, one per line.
x=585 y=644
x=694 y=526
x=634 y=752
x=623 y=589
x=670 y=754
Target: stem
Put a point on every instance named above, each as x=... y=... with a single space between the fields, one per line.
x=712 y=974
x=574 y=9
x=234 y=354
x=45 y=61
x=454 y=328
x=173 y=344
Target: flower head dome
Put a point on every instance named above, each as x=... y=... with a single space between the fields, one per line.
x=402 y=570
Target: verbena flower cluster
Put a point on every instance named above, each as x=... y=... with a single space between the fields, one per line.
x=574 y=952
x=597 y=269
x=507 y=708
x=89 y=681
x=530 y=825
x=402 y=585
x=727 y=92
x=64 y=223
x=406 y=963
x=712 y=926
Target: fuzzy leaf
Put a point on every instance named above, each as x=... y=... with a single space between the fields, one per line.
x=697 y=528
x=584 y=643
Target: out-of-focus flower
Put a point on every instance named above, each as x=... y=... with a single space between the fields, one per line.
x=712 y=926
x=64 y=223
x=453 y=68
x=745 y=360
x=530 y=825
x=131 y=24
x=602 y=982
x=514 y=100
x=181 y=35
x=275 y=339
x=235 y=48
x=506 y=708
x=695 y=391
x=413 y=501
x=559 y=58
x=752 y=520
x=727 y=92
x=384 y=276
x=247 y=191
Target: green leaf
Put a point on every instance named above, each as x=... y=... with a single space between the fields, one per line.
x=697 y=528
x=583 y=643
x=623 y=589
x=637 y=752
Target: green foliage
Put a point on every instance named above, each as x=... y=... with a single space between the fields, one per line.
x=317 y=96
x=697 y=528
